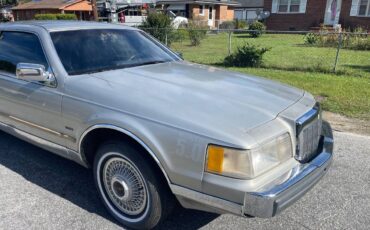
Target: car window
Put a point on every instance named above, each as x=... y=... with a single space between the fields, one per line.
x=95 y=50
x=20 y=47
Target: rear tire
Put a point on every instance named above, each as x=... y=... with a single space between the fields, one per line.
x=130 y=187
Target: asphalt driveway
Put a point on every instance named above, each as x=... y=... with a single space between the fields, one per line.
x=39 y=190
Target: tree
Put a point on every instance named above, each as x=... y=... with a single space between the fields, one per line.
x=159 y=26
x=8 y=2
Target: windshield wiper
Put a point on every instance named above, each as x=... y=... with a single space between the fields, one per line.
x=150 y=63
x=116 y=67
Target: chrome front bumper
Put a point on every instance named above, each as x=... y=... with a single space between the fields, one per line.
x=272 y=198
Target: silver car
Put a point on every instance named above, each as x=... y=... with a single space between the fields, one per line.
x=155 y=129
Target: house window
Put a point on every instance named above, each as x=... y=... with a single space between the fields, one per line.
x=201 y=9
x=238 y=14
x=289 y=6
x=364 y=8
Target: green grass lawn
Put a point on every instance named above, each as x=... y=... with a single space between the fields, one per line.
x=289 y=61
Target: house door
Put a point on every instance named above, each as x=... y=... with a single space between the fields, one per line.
x=211 y=16
x=332 y=12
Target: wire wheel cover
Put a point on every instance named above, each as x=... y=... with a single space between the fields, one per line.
x=125 y=186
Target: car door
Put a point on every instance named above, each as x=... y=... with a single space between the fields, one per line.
x=32 y=107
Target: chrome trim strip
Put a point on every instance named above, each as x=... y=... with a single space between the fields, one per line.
x=307 y=118
x=128 y=133
x=35 y=126
x=43 y=128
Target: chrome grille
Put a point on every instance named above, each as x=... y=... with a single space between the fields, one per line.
x=308 y=134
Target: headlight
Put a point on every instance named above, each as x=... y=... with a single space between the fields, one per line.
x=247 y=164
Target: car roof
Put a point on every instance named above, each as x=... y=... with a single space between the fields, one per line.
x=57 y=25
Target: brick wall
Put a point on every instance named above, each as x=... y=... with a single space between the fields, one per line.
x=194 y=12
x=230 y=13
x=221 y=13
x=224 y=13
x=314 y=16
x=351 y=21
x=315 y=12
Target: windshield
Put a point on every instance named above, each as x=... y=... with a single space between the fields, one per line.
x=89 y=51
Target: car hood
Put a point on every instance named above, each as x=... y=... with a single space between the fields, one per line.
x=194 y=97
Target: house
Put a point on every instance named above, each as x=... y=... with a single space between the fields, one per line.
x=358 y=15
x=27 y=11
x=211 y=12
x=248 y=10
x=307 y=14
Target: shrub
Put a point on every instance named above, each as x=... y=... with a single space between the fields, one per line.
x=196 y=33
x=359 y=40
x=311 y=39
x=66 y=17
x=180 y=35
x=246 y=56
x=46 y=17
x=158 y=25
x=55 y=17
x=360 y=44
x=227 y=25
x=327 y=38
x=257 y=29
x=240 y=24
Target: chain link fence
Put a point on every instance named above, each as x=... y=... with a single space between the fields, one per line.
x=320 y=51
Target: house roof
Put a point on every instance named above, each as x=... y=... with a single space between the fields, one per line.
x=76 y=5
x=53 y=26
x=211 y=2
x=250 y=3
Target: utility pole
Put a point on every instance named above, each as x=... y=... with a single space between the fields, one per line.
x=95 y=10
x=113 y=11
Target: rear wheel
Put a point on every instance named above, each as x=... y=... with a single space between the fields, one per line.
x=130 y=187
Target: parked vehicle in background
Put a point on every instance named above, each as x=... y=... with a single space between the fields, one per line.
x=132 y=16
x=156 y=129
x=6 y=15
x=177 y=21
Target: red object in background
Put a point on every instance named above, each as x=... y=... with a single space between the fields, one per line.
x=145 y=6
x=122 y=17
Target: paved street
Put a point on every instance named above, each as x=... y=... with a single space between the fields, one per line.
x=42 y=191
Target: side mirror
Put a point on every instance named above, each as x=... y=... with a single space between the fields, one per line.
x=34 y=72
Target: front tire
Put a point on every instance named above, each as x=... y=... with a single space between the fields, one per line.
x=130 y=187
